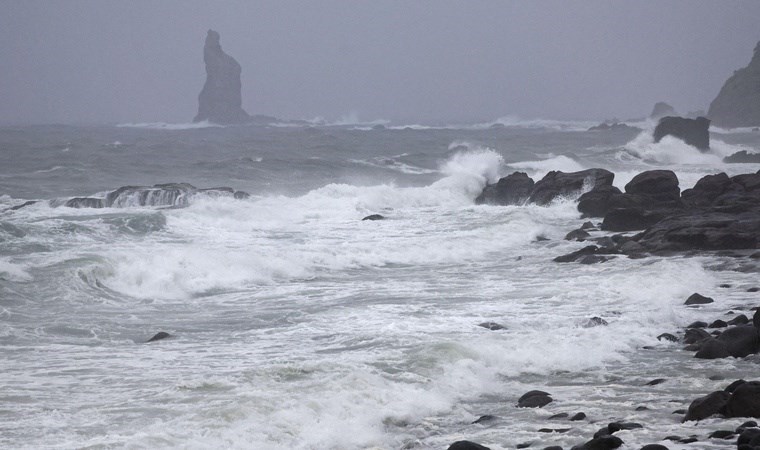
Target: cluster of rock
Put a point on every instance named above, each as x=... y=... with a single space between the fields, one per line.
x=718 y=213
x=739 y=399
x=738 y=102
x=160 y=195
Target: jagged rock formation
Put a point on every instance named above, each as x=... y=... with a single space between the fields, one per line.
x=161 y=195
x=518 y=188
x=694 y=132
x=220 y=100
x=662 y=109
x=738 y=103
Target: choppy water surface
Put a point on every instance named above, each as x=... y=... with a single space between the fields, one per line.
x=297 y=325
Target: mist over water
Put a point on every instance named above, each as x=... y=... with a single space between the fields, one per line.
x=296 y=324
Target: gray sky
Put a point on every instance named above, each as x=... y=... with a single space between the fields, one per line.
x=120 y=61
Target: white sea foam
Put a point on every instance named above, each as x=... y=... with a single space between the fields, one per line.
x=539 y=168
x=9 y=270
x=171 y=126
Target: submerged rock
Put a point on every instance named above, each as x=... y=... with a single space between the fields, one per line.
x=697 y=299
x=374 y=217
x=738 y=102
x=744 y=157
x=694 y=132
x=220 y=100
x=168 y=194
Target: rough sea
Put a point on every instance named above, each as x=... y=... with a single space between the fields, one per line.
x=296 y=325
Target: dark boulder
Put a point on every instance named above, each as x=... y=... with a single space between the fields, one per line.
x=534 y=399
x=614 y=126
x=738 y=102
x=600 y=443
x=220 y=101
x=374 y=217
x=704 y=230
x=697 y=299
x=712 y=349
x=706 y=190
x=514 y=189
x=577 y=235
x=658 y=187
x=653 y=447
x=694 y=132
x=23 y=205
x=600 y=200
x=630 y=219
x=667 y=337
x=560 y=184
x=574 y=256
x=578 y=416
x=706 y=406
x=467 y=445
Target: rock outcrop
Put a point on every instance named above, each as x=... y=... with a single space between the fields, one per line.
x=738 y=102
x=662 y=109
x=694 y=132
x=220 y=100
x=518 y=188
x=160 y=195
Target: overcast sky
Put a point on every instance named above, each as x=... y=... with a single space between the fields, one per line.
x=121 y=61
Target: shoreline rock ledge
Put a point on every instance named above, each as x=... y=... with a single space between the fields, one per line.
x=220 y=100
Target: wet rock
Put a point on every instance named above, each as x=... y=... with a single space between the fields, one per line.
x=697 y=299
x=641 y=408
x=741 y=319
x=374 y=217
x=696 y=335
x=631 y=219
x=578 y=416
x=706 y=406
x=559 y=416
x=577 y=235
x=656 y=381
x=614 y=126
x=23 y=205
x=588 y=226
x=753 y=289
x=467 y=445
x=600 y=200
x=718 y=324
x=241 y=195
x=485 y=419
x=514 y=189
x=689 y=440
x=554 y=430
x=631 y=248
x=697 y=324
x=593 y=259
x=595 y=322
x=653 y=447
x=744 y=401
x=571 y=257
x=85 y=202
x=721 y=434
x=694 y=132
x=158 y=336
x=560 y=184
x=750 y=438
x=667 y=337
x=658 y=187
x=534 y=399
x=524 y=445
x=600 y=443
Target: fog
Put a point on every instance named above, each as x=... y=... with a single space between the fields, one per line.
x=423 y=61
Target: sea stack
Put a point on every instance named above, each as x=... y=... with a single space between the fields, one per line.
x=220 y=100
x=662 y=109
x=695 y=132
x=738 y=103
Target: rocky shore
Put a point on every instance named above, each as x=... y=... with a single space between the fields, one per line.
x=653 y=216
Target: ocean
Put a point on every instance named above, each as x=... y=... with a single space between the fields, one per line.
x=297 y=325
